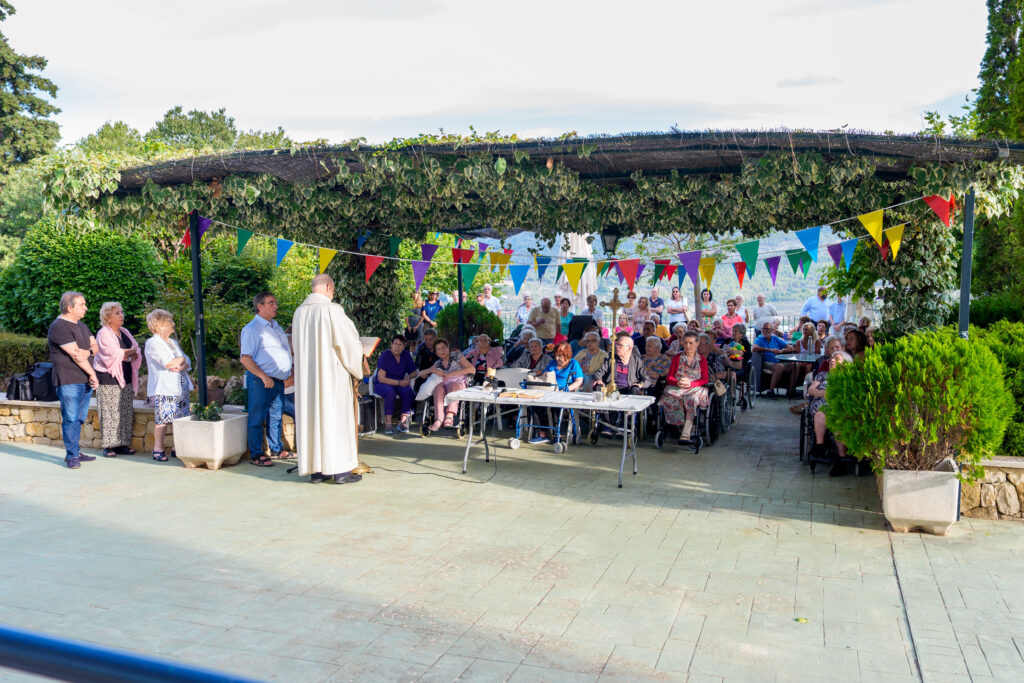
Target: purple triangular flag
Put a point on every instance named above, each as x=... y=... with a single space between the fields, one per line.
x=204 y=225
x=836 y=252
x=483 y=248
x=618 y=271
x=428 y=251
x=773 y=266
x=690 y=261
x=639 y=269
x=419 y=270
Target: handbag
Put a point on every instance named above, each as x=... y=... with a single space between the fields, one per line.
x=19 y=388
x=43 y=387
x=719 y=387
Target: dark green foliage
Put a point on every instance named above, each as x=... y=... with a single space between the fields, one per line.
x=25 y=132
x=18 y=352
x=1000 y=103
x=1006 y=341
x=478 y=320
x=208 y=413
x=989 y=310
x=999 y=254
x=113 y=137
x=236 y=397
x=195 y=130
x=21 y=200
x=919 y=399
x=103 y=264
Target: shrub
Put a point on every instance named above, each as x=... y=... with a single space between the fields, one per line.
x=919 y=399
x=103 y=264
x=1006 y=341
x=18 y=352
x=989 y=310
x=478 y=318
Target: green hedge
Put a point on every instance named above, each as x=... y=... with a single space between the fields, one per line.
x=18 y=352
x=988 y=310
x=478 y=319
x=1006 y=340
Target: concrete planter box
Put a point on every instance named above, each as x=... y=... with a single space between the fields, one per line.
x=920 y=500
x=210 y=443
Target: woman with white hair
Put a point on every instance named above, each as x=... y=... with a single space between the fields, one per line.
x=168 y=382
x=117 y=364
x=816 y=408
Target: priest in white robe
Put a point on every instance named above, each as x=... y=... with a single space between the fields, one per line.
x=328 y=357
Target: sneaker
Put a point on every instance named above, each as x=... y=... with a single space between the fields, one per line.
x=86 y=458
x=72 y=463
x=539 y=439
x=389 y=429
x=347 y=478
x=402 y=428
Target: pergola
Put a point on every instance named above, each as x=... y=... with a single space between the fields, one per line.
x=613 y=161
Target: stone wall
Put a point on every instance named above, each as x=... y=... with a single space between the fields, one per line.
x=999 y=494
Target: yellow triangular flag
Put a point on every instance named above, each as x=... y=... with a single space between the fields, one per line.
x=495 y=258
x=707 y=269
x=573 y=272
x=503 y=260
x=873 y=222
x=895 y=235
x=325 y=257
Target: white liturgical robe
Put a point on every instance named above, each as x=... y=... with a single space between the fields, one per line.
x=328 y=356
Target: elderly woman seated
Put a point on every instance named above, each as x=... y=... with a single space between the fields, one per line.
x=593 y=360
x=675 y=346
x=816 y=409
x=566 y=374
x=526 y=333
x=687 y=388
x=534 y=359
x=656 y=364
x=396 y=371
x=453 y=369
x=484 y=357
x=714 y=356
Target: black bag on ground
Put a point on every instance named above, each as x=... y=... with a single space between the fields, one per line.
x=19 y=388
x=43 y=386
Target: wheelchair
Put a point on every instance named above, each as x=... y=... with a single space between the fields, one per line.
x=831 y=456
x=427 y=417
x=567 y=415
x=704 y=431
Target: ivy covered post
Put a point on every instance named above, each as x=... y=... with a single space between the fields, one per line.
x=965 y=265
x=197 y=300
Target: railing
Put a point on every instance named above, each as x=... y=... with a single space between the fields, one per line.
x=70 y=660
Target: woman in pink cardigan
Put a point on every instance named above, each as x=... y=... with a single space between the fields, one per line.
x=117 y=365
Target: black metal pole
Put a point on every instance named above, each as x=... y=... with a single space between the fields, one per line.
x=458 y=298
x=197 y=302
x=965 y=265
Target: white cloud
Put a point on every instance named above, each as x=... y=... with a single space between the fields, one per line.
x=387 y=68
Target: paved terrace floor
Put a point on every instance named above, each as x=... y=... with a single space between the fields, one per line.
x=734 y=564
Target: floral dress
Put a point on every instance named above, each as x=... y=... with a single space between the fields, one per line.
x=707 y=317
x=716 y=364
x=677 y=402
x=817 y=404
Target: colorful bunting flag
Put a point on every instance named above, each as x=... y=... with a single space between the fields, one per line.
x=836 y=252
x=895 y=237
x=519 y=273
x=659 y=270
x=639 y=270
x=282 y=248
x=707 y=269
x=542 y=265
x=690 y=261
x=884 y=249
x=873 y=222
x=325 y=257
x=427 y=250
x=794 y=256
x=186 y=238
x=748 y=254
x=848 y=247
x=361 y=240
x=602 y=266
x=809 y=238
x=805 y=263
x=469 y=271
x=503 y=260
x=203 y=224
x=628 y=270
x=773 y=266
x=741 y=269
x=573 y=272
x=943 y=208
x=618 y=272
x=243 y=238
x=393 y=244
x=483 y=248
x=419 y=271
x=670 y=271
x=462 y=255
x=372 y=261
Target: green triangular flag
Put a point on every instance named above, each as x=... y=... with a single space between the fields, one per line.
x=469 y=271
x=601 y=267
x=659 y=268
x=748 y=254
x=795 y=256
x=558 y=273
x=393 y=244
x=243 y=239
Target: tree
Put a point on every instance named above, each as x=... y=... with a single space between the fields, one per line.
x=263 y=139
x=113 y=137
x=25 y=132
x=1000 y=103
x=195 y=130
x=21 y=200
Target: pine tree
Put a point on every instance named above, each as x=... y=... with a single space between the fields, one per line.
x=1000 y=104
x=25 y=131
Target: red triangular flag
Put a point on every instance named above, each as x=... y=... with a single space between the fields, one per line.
x=884 y=248
x=942 y=207
x=186 y=239
x=741 y=269
x=462 y=255
x=952 y=205
x=371 y=264
x=669 y=272
x=628 y=269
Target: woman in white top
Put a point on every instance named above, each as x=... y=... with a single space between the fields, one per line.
x=168 y=383
x=741 y=310
x=675 y=308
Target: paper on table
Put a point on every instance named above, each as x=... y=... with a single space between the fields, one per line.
x=369 y=344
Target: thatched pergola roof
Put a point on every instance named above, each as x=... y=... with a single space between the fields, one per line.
x=614 y=157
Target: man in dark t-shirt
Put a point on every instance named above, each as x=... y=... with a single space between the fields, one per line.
x=71 y=348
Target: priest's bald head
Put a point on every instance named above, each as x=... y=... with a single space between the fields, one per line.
x=323 y=284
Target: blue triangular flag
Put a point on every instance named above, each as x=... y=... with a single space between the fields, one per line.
x=519 y=273
x=809 y=238
x=542 y=265
x=848 y=248
x=282 y=248
x=362 y=240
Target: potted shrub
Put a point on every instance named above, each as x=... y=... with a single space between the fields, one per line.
x=206 y=437
x=914 y=407
x=479 y=319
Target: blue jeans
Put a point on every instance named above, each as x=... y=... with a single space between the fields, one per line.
x=74 y=411
x=266 y=405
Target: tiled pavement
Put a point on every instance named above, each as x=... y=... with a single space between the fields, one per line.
x=735 y=564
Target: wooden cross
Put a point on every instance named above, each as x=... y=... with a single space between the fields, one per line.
x=615 y=305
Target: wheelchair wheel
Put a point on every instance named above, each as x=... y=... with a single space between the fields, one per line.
x=711 y=423
x=514 y=443
x=559 y=447
x=659 y=439
x=460 y=430
x=593 y=437
x=728 y=407
x=803 y=437
x=424 y=428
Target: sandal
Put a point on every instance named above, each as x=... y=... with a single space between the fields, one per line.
x=109 y=453
x=449 y=420
x=262 y=460
x=124 y=450
x=159 y=456
x=435 y=425
x=284 y=455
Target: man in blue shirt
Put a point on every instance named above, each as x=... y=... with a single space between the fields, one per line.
x=267 y=358
x=816 y=308
x=837 y=315
x=766 y=343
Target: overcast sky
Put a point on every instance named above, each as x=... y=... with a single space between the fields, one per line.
x=338 y=69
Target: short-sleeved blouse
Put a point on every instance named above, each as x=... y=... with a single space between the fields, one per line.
x=454 y=358
x=567 y=375
x=396 y=368
x=658 y=365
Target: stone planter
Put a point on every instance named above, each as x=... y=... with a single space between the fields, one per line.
x=210 y=443
x=920 y=500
